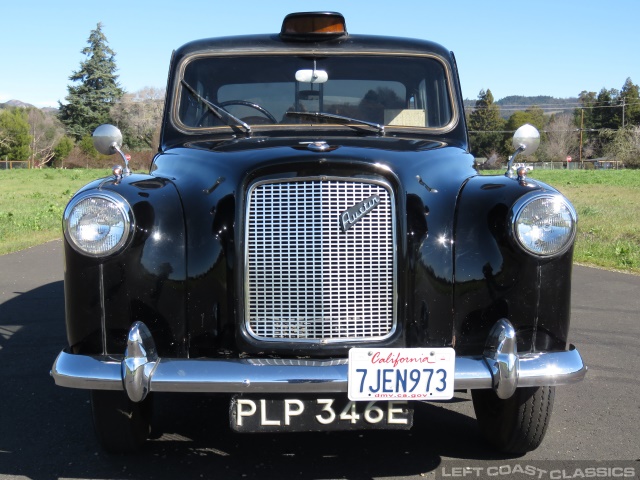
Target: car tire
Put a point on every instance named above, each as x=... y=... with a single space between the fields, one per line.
x=518 y=424
x=122 y=426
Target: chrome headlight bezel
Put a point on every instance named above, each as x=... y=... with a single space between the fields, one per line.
x=552 y=232
x=119 y=233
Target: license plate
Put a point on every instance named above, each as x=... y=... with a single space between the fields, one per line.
x=401 y=373
x=306 y=414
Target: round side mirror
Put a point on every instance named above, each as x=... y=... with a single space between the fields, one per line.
x=107 y=139
x=526 y=136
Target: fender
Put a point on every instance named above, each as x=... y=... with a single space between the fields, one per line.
x=494 y=278
x=144 y=281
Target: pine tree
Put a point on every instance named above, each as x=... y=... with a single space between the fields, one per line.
x=485 y=126
x=630 y=96
x=608 y=115
x=585 y=118
x=96 y=91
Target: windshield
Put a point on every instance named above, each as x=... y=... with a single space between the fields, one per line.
x=407 y=91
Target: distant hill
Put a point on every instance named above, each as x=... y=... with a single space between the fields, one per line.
x=21 y=104
x=513 y=103
x=16 y=103
x=537 y=100
x=508 y=105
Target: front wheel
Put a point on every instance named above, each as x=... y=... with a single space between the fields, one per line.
x=122 y=426
x=518 y=424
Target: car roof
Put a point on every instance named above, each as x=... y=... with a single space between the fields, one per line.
x=347 y=43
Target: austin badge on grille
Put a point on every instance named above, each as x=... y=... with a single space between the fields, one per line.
x=354 y=214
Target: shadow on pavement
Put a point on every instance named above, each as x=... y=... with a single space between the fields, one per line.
x=46 y=431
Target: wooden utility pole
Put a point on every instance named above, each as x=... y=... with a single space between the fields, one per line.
x=581 y=129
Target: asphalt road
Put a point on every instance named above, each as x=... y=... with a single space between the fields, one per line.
x=46 y=432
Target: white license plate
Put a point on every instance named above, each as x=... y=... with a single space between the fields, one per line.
x=401 y=373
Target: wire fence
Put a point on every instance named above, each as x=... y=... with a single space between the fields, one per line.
x=13 y=164
x=591 y=164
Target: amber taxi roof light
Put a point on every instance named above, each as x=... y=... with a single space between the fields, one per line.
x=313 y=25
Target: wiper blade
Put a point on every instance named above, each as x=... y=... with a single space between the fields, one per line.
x=231 y=120
x=338 y=119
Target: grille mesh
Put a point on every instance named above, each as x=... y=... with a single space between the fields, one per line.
x=306 y=278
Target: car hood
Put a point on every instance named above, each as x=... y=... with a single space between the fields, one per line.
x=441 y=163
x=212 y=179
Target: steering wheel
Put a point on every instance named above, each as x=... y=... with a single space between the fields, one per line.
x=251 y=105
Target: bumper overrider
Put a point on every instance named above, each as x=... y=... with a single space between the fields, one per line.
x=141 y=371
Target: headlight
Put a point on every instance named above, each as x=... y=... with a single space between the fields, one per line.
x=98 y=224
x=544 y=224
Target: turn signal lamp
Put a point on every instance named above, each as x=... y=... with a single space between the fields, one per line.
x=313 y=25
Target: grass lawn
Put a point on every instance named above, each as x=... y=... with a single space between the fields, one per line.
x=607 y=201
x=32 y=202
x=608 y=206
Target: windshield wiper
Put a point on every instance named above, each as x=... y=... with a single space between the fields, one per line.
x=338 y=119
x=231 y=120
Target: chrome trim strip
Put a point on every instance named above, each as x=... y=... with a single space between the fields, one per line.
x=103 y=318
x=316 y=376
x=313 y=376
x=554 y=368
x=179 y=75
x=85 y=371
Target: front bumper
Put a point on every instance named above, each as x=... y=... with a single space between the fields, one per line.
x=141 y=371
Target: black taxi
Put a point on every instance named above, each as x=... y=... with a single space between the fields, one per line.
x=314 y=242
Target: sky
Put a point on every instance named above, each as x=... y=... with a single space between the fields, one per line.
x=541 y=47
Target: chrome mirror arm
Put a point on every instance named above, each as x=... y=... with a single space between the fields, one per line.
x=520 y=149
x=126 y=170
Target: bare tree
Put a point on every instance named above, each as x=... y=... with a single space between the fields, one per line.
x=46 y=131
x=562 y=138
x=589 y=149
x=139 y=114
x=624 y=145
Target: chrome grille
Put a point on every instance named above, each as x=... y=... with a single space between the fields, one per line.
x=306 y=279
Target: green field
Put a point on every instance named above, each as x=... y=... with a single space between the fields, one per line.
x=32 y=201
x=607 y=201
x=608 y=206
